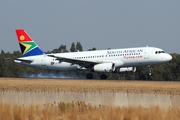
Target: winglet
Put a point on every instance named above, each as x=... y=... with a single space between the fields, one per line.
x=27 y=45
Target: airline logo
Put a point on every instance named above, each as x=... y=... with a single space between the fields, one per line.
x=22 y=37
x=25 y=41
x=27 y=45
x=52 y=63
x=125 y=51
x=132 y=57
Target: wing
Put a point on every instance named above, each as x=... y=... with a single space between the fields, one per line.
x=81 y=62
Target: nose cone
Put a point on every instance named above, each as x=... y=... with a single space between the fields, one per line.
x=168 y=57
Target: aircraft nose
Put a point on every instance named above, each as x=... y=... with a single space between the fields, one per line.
x=168 y=57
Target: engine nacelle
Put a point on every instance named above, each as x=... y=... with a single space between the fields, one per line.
x=103 y=67
x=126 y=69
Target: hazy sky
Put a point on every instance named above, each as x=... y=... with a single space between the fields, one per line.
x=94 y=23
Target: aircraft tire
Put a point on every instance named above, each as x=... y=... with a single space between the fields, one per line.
x=89 y=76
x=103 y=76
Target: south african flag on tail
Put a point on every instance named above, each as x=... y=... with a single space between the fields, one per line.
x=27 y=45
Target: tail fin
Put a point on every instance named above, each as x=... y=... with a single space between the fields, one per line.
x=27 y=45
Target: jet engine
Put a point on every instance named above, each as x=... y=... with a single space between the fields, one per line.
x=103 y=67
x=126 y=69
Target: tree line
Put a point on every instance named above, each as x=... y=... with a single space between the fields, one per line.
x=164 y=72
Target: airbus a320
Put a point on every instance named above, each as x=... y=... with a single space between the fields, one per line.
x=103 y=61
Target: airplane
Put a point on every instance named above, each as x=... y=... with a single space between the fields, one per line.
x=103 y=61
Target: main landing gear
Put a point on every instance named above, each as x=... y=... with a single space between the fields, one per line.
x=103 y=76
x=90 y=76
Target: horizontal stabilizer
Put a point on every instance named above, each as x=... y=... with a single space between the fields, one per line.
x=18 y=60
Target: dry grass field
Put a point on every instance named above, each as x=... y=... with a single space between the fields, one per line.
x=29 y=84
x=81 y=111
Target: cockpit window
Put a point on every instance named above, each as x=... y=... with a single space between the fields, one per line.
x=159 y=52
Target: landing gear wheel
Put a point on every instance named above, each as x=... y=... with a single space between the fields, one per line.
x=89 y=76
x=103 y=76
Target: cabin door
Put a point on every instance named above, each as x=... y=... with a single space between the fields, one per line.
x=43 y=60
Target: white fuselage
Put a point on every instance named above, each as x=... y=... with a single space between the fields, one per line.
x=127 y=57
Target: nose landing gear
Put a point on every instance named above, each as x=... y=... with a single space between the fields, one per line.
x=150 y=70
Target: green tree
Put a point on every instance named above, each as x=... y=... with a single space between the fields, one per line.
x=93 y=49
x=174 y=66
x=79 y=46
x=62 y=49
x=54 y=51
x=73 y=48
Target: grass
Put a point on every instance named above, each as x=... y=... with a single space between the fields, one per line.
x=25 y=84
x=81 y=111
